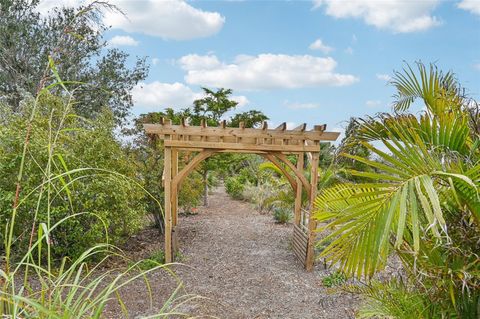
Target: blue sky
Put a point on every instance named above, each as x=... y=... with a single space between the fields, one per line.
x=319 y=61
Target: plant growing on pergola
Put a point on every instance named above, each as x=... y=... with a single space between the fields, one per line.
x=273 y=144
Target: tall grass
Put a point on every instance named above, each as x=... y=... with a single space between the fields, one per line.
x=32 y=283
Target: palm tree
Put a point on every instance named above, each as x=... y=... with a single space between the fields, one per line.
x=419 y=200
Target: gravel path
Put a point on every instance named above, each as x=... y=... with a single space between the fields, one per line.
x=243 y=266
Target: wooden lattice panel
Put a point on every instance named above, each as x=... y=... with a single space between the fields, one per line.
x=300 y=243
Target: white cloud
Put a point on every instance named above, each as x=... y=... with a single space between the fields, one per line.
x=373 y=103
x=167 y=19
x=155 y=61
x=265 y=71
x=240 y=99
x=349 y=50
x=297 y=106
x=157 y=95
x=45 y=6
x=320 y=46
x=122 y=40
x=384 y=77
x=477 y=66
x=470 y=5
x=400 y=16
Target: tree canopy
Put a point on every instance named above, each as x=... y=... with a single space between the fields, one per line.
x=73 y=39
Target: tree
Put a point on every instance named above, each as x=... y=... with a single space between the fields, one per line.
x=421 y=202
x=73 y=39
x=250 y=119
x=351 y=145
x=212 y=108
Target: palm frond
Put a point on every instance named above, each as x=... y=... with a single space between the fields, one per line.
x=438 y=91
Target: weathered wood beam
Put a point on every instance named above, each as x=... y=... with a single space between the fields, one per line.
x=319 y=128
x=241 y=146
x=312 y=222
x=237 y=132
x=264 y=126
x=298 y=195
x=301 y=127
x=168 y=205
x=298 y=173
x=281 y=127
x=287 y=175
x=194 y=162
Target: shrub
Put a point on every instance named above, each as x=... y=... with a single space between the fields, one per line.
x=95 y=177
x=32 y=286
x=155 y=260
x=191 y=191
x=234 y=187
x=259 y=195
x=335 y=279
x=282 y=215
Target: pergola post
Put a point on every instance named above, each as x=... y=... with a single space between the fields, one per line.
x=312 y=223
x=168 y=204
x=298 y=195
x=174 y=200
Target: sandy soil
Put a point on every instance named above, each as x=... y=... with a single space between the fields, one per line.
x=242 y=265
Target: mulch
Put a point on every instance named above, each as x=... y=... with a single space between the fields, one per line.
x=239 y=264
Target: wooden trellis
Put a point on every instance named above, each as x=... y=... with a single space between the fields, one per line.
x=273 y=144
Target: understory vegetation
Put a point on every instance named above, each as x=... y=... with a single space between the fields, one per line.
x=77 y=180
x=417 y=199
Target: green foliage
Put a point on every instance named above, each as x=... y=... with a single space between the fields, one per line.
x=148 y=155
x=74 y=38
x=282 y=215
x=155 y=260
x=352 y=146
x=252 y=118
x=48 y=156
x=393 y=299
x=191 y=192
x=234 y=187
x=211 y=109
x=419 y=200
x=335 y=279
x=114 y=204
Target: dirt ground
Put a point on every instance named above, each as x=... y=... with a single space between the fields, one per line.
x=241 y=264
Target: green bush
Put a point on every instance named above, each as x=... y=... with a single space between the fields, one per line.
x=282 y=215
x=155 y=260
x=103 y=189
x=234 y=187
x=190 y=193
x=77 y=287
x=335 y=279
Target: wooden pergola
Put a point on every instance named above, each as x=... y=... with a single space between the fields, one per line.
x=273 y=144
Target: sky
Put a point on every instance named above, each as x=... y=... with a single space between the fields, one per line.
x=320 y=61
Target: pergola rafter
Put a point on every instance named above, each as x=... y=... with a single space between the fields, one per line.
x=273 y=144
